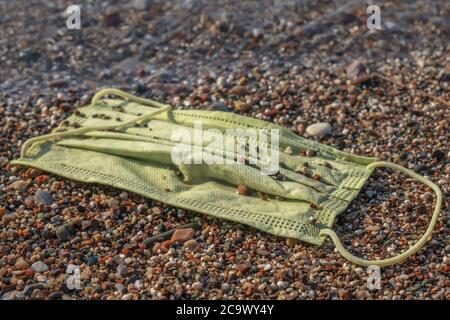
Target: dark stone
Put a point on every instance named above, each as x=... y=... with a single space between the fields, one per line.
x=132 y=279
x=422 y=209
x=31 y=287
x=55 y=295
x=29 y=56
x=219 y=106
x=112 y=19
x=58 y=83
x=95 y=223
x=162 y=76
x=404 y=155
x=122 y=270
x=438 y=155
x=140 y=88
x=92 y=260
x=47 y=234
x=346 y=18
x=65 y=231
x=445 y=78
x=43 y=197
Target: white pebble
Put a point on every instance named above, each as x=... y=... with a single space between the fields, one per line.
x=39 y=266
x=197 y=285
x=318 y=129
x=359 y=270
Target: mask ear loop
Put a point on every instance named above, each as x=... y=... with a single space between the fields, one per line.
x=80 y=131
x=414 y=248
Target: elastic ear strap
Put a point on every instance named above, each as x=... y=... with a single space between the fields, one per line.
x=413 y=249
x=83 y=130
x=124 y=95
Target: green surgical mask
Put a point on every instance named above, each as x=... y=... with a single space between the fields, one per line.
x=128 y=144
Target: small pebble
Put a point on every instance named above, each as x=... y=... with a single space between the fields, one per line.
x=3 y=161
x=310 y=153
x=281 y=285
x=318 y=129
x=92 y=261
x=191 y=244
x=43 y=197
x=242 y=106
x=128 y=296
x=197 y=286
x=267 y=267
x=242 y=190
x=122 y=270
x=183 y=234
x=39 y=266
x=21 y=264
x=123 y=195
x=65 y=231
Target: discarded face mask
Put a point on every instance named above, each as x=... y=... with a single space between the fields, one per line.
x=127 y=144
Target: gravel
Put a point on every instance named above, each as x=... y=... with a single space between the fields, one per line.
x=293 y=63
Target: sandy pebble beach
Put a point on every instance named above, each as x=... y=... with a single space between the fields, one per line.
x=304 y=65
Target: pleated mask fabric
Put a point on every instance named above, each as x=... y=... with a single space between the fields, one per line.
x=128 y=143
